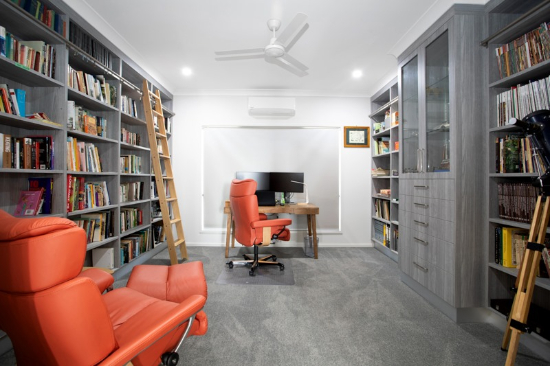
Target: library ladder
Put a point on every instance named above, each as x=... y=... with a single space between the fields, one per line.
x=166 y=188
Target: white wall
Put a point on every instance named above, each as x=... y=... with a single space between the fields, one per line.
x=195 y=112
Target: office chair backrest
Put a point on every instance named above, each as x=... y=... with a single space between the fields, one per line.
x=244 y=207
x=51 y=316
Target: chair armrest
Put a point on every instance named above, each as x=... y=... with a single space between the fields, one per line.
x=102 y=279
x=263 y=216
x=140 y=332
x=270 y=223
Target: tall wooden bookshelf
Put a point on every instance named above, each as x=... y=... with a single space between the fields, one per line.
x=385 y=167
x=80 y=47
x=508 y=21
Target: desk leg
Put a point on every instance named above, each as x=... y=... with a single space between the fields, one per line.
x=309 y=225
x=232 y=234
x=227 y=234
x=314 y=227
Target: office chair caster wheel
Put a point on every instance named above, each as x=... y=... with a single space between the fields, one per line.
x=281 y=266
x=251 y=273
x=230 y=264
x=274 y=258
x=170 y=359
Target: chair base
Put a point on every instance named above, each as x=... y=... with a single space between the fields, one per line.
x=255 y=261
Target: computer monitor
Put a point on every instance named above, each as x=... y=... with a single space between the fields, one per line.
x=283 y=182
x=266 y=197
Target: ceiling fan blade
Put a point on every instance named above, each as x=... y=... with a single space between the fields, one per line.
x=238 y=52
x=297 y=64
x=242 y=57
x=292 y=31
x=287 y=66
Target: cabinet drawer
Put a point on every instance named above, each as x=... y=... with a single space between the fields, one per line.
x=441 y=283
x=441 y=188
x=441 y=208
x=420 y=271
x=441 y=229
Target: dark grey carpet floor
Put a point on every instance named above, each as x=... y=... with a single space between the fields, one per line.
x=346 y=308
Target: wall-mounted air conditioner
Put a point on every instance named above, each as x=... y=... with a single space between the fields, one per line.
x=271 y=106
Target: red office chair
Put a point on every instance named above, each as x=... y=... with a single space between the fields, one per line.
x=55 y=314
x=250 y=228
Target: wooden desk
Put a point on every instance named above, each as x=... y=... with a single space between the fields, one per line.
x=309 y=210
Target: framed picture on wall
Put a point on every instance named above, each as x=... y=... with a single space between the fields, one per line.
x=355 y=136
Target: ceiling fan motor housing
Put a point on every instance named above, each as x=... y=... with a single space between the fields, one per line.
x=274 y=50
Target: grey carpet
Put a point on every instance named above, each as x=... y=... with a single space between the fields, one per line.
x=347 y=308
x=265 y=275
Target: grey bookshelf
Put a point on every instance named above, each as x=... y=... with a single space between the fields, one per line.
x=50 y=95
x=385 y=165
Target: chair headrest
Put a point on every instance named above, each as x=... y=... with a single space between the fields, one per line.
x=38 y=253
x=241 y=188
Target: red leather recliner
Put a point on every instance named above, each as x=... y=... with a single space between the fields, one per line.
x=251 y=228
x=55 y=314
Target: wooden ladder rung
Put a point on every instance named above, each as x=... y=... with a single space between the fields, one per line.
x=158 y=113
x=154 y=95
x=171 y=199
x=164 y=156
x=174 y=221
x=160 y=135
x=168 y=178
x=179 y=242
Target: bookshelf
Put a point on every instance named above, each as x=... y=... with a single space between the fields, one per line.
x=510 y=21
x=111 y=78
x=441 y=191
x=385 y=168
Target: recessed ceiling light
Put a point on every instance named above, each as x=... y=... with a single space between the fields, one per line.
x=357 y=74
x=186 y=71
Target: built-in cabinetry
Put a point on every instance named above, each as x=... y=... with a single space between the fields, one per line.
x=510 y=22
x=124 y=136
x=441 y=190
x=385 y=169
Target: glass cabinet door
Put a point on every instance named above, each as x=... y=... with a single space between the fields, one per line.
x=409 y=105
x=437 y=106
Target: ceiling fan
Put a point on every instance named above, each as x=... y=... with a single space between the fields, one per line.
x=276 y=51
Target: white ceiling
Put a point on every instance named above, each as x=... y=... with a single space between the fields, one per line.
x=163 y=36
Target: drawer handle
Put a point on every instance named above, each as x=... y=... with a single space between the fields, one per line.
x=420 y=223
x=421 y=204
x=420 y=240
x=424 y=269
x=423 y=187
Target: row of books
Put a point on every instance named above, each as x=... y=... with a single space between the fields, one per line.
x=133 y=245
x=128 y=106
x=382 y=209
x=12 y=101
x=382 y=233
x=130 y=164
x=510 y=244
x=34 y=55
x=130 y=217
x=81 y=119
x=518 y=154
x=524 y=52
x=82 y=156
x=157 y=235
x=82 y=195
x=95 y=86
x=41 y=11
x=381 y=145
x=129 y=137
x=521 y=100
x=90 y=45
x=131 y=191
x=31 y=152
x=516 y=201
x=98 y=225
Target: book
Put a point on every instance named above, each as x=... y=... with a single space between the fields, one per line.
x=28 y=203
x=46 y=184
x=7 y=151
x=21 y=97
x=103 y=257
x=2 y=41
x=509 y=253
x=13 y=100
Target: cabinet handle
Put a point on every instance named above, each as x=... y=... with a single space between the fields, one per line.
x=423 y=187
x=420 y=240
x=424 y=269
x=421 y=223
x=421 y=204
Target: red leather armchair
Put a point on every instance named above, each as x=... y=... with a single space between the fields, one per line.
x=55 y=314
x=251 y=228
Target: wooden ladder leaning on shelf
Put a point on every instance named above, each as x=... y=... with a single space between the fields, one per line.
x=525 y=282
x=152 y=114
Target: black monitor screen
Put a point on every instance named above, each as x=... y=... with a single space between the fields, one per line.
x=261 y=178
x=282 y=182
